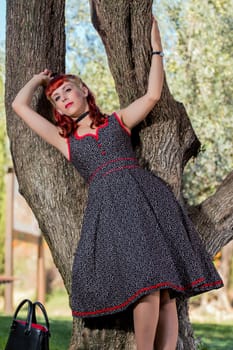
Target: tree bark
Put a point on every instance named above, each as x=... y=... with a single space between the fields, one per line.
x=36 y=40
x=213 y=218
x=164 y=142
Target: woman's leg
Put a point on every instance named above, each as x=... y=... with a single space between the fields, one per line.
x=146 y=315
x=167 y=330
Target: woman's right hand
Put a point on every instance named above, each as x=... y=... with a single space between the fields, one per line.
x=43 y=77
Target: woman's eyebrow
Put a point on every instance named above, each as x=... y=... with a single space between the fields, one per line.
x=54 y=94
x=57 y=93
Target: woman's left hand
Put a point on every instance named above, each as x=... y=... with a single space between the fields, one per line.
x=156 y=43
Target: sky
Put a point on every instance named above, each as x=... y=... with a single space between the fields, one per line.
x=2 y=19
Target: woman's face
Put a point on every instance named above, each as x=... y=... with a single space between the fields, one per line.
x=70 y=100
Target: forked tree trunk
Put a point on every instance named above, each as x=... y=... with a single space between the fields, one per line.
x=54 y=191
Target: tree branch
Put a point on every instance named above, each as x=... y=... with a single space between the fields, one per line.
x=213 y=218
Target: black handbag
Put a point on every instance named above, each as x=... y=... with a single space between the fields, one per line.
x=28 y=334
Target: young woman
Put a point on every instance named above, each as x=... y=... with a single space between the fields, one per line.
x=138 y=250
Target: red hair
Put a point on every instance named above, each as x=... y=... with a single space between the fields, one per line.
x=67 y=124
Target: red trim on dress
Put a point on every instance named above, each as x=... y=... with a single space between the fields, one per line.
x=110 y=161
x=95 y=135
x=118 y=118
x=121 y=168
x=142 y=292
x=68 y=144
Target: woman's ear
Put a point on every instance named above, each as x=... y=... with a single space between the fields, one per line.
x=85 y=91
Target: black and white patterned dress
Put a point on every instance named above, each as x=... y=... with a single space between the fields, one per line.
x=135 y=237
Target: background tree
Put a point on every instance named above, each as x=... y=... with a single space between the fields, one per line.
x=3 y=159
x=201 y=61
x=49 y=183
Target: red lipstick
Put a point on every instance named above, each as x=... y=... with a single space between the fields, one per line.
x=68 y=104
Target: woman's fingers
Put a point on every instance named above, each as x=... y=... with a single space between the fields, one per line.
x=155 y=35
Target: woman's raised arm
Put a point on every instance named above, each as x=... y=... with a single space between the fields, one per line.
x=139 y=109
x=22 y=107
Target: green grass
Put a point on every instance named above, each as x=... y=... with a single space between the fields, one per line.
x=214 y=336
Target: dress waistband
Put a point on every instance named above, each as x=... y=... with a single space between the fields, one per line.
x=113 y=165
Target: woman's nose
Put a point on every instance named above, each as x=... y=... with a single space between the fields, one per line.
x=63 y=98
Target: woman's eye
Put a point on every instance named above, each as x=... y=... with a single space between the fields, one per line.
x=57 y=98
x=68 y=89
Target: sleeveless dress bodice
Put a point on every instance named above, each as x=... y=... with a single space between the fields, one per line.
x=95 y=155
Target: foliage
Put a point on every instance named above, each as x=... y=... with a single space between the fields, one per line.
x=199 y=71
x=85 y=55
x=82 y=41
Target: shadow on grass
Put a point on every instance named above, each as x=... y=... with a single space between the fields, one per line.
x=214 y=336
x=60 y=332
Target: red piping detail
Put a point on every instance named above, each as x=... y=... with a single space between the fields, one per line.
x=211 y=284
x=103 y=165
x=121 y=168
x=95 y=135
x=121 y=123
x=68 y=144
x=144 y=291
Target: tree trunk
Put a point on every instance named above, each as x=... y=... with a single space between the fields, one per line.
x=36 y=40
x=165 y=141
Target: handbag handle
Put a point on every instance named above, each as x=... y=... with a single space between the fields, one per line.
x=29 y=314
x=42 y=308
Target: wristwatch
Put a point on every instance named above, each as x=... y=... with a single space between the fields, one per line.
x=159 y=53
